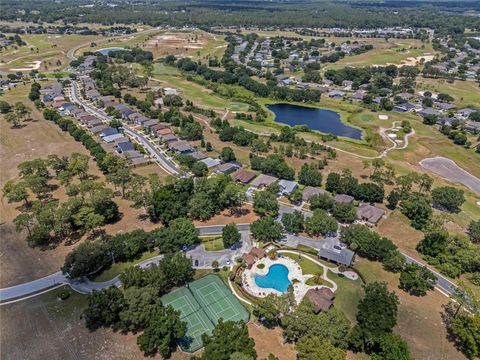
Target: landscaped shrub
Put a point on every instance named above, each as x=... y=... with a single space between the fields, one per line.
x=261 y=266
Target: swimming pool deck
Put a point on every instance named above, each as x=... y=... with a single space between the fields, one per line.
x=300 y=287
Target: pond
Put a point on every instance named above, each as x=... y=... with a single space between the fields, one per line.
x=325 y=121
x=107 y=51
x=277 y=278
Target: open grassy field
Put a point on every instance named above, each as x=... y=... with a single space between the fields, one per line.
x=465 y=93
x=50 y=49
x=419 y=319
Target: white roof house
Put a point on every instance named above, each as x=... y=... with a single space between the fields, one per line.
x=287 y=186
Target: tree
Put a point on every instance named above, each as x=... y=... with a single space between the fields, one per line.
x=434 y=243
x=331 y=325
x=465 y=330
x=448 y=197
x=344 y=212
x=271 y=308
x=162 y=332
x=392 y=347
x=103 y=308
x=321 y=201
x=182 y=231
x=417 y=208
x=474 y=231
x=141 y=304
x=12 y=119
x=265 y=203
x=199 y=169
x=377 y=311
x=230 y=235
x=227 y=154
x=394 y=261
x=227 y=338
x=266 y=229
x=87 y=219
x=201 y=206
x=314 y=348
x=15 y=192
x=320 y=223
x=416 y=280
x=310 y=175
x=293 y=222
x=21 y=110
x=4 y=107
x=233 y=197
x=87 y=258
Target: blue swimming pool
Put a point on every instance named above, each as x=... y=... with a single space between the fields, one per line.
x=277 y=278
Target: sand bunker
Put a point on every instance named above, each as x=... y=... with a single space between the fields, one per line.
x=450 y=171
x=34 y=65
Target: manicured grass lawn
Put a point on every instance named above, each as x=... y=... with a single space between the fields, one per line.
x=118 y=268
x=212 y=243
x=348 y=295
x=308 y=267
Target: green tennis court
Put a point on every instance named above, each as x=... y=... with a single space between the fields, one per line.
x=202 y=304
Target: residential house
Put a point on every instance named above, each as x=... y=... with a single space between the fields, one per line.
x=287 y=187
x=473 y=127
x=336 y=94
x=263 y=181
x=370 y=214
x=343 y=198
x=180 y=147
x=227 y=168
x=444 y=106
x=428 y=111
x=357 y=96
x=211 y=162
x=465 y=113
x=124 y=146
x=97 y=129
x=310 y=191
x=108 y=131
x=243 y=176
x=405 y=107
x=198 y=155
x=169 y=138
x=112 y=138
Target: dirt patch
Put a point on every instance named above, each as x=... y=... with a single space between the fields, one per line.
x=55 y=330
x=247 y=216
x=177 y=43
x=450 y=171
x=270 y=341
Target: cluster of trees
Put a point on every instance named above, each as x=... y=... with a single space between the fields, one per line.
x=376 y=317
x=138 y=307
x=414 y=279
x=93 y=257
x=47 y=220
x=235 y=74
x=189 y=128
x=236 y=134
x=199 y=200
x=15 y=114
x=320 y=223
x=273 y=165
x=451 y=255
x=345 y=183
x=144 y=106
x=134 y=55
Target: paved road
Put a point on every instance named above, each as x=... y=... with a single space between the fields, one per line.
x=167 y=164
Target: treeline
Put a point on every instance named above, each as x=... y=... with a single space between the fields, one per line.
x=239 y=76
x=312 y=15
x=91 y=258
